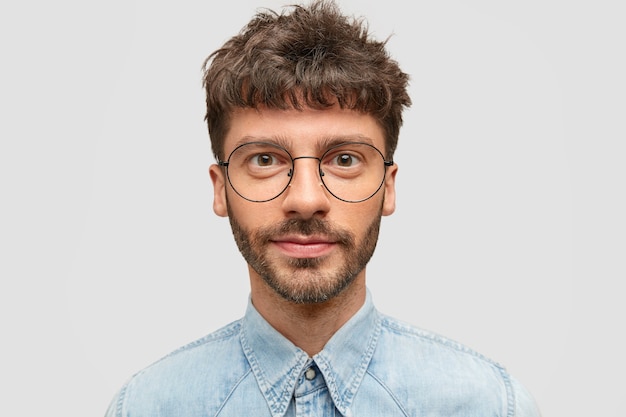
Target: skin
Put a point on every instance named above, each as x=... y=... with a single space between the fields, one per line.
x=322 y=274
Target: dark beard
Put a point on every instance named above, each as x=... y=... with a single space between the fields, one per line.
x=317 y=287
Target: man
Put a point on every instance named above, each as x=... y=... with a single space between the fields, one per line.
x=304 y=111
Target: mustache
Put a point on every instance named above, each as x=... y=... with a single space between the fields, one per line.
x=306 y=227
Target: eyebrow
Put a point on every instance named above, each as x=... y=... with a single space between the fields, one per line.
x=331 y=141
x=322 y=145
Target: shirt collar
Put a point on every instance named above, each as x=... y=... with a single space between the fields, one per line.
x=277 y=363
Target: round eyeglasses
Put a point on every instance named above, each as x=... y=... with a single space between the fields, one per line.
x=261 y=171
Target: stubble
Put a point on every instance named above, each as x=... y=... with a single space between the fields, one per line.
x=306 y=280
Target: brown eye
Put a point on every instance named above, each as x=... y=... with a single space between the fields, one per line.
x=264 y=160
x=344 y=160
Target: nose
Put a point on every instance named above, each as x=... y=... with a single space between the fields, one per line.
x=306 y=195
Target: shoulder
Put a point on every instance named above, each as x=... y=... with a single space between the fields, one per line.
x=432 y=354
x=422 y=369
x=416 y=343
x=212 y=364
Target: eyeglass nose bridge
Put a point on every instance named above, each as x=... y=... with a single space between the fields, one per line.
x=293 y=167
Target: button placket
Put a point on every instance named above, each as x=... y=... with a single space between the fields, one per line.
x=311 y=397
x=310 y=380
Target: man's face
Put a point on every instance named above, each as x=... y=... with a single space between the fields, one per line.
x=306 y=245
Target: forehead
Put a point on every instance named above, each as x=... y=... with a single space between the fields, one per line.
x=306 y=130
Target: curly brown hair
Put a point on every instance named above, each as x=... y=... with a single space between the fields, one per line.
x=313 y=56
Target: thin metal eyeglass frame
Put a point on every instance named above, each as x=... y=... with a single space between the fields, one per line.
x=386 y=163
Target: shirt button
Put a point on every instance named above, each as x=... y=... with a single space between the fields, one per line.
x=309 y=374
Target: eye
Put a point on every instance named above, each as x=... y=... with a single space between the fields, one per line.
x=264 y=160
x=345 y=160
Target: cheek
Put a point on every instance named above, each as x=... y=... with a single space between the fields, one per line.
x=359 y=220
x=249 y=215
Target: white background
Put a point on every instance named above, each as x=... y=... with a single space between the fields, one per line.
x=509 y=234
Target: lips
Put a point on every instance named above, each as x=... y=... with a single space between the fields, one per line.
x=304 y=246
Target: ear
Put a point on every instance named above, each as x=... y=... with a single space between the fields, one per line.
x=220 y=206
x=389 y=205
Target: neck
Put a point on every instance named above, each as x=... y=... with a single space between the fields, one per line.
x=308 y=326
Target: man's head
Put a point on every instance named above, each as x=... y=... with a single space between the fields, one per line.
x=313 y=56
x=304 y=111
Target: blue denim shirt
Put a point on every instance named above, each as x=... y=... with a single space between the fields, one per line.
x=373 y=366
